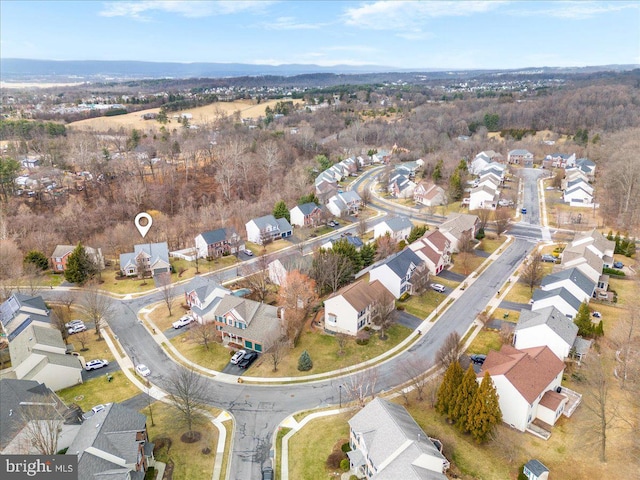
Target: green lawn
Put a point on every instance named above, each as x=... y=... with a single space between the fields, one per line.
x=99 y=390
x=500 y=312
x=188 y=458
x=268 y=248
x=96 y=348
x=310 y=447
x=485 y=340
x=490 y=245
x=215 y=358
x=519 y=293
x=422 y=305
x=473 y=262
x=323 y=350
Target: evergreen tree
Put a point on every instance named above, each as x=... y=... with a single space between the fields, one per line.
x=346 y=249
x=80 y=267
x=280 y=210
x=484 y=412
x=38 y=258
x=437 y=172
x=455 y=186
x=448 y=390
x=583 y=320
x=310 y=198
x=304 y=362
x=466 y=393
x=610 y=235
x=367 y=254
x=416 y=232
x=480 y=234
x=617 y=240
x=598 y=331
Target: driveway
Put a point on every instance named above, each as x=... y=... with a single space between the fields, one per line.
x=408 y=320
x=449 y=275
x=515 y=306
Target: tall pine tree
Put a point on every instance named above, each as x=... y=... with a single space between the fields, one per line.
x=280 y=210
x=80 y=267
x=466 y=393
x=448 y=390
x=484 y=412
x=583 y=320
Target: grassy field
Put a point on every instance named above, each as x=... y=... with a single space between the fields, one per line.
x=323 y=350
x=422 y=305
x=310 y=447
x=215 y=358
x=473 y=262
x=189 y=461
x=500 y=312
x=95 y=347
x=268 y=248
x=485 y=340
x=201 y=115
x=490 y=245
x=98 y=390
x=519 y=293
x=160 y=314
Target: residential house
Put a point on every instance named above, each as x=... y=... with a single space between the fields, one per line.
x=520 y=157
x=457 y=226
x=293 y=260
x=490 y=180
x=344 y=237
x=434 y=248
x=497 y=169
x=395 y=272
x=398 y=228
x=561 y=298
x=249 y=324
x=527 y=383
x=152 y=257
x=409 y=168
x=305 y=215
x=479 y=163
x=587 y=261
x=39 y=353
x=113 y=444
x=382 y=156
x=573 y=279
x=429 y=194
x=484 y=197
x=202 y=295
x=535 y=470
x=545 y=327
x=387 y=443
x=325 y=190
x=344 y=204
x=587 y=166
x=25 y=401
x=19 y=311
x=60 y=256
x=571 y=175
x=401 y=186
x=268 y=228
x=216 y=243
x=559 y=160
x=578 y=193
x=351 y=308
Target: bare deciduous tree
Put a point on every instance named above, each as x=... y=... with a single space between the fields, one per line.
x=203 y=333
x=297 y=293
x=167 y=289
x=532 y=272
x=257 y=277
x=484 y=214
x=450 y=351
x=277 y=351
x=43 y=423
x=330 y=270
x=465 y=244
x=83 y=339
x=341 y=340
x=386 y=246
x=98 y=307
x=414 y=372
x=360 y=386
x=501 y=219
x=188 y=395
x=384 y=313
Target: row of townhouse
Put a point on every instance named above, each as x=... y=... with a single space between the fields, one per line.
x=485 y=193
x=576 y=186
x=112 y=443
x=528 y=374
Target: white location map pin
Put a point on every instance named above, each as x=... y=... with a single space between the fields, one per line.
x=143 y=229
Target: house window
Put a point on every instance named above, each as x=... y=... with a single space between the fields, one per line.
x=248 y=344
x=257 y=347
x=331 y=318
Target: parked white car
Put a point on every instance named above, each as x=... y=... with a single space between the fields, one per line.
x=437 y=287
x=73 y=323
x=238 y=356
x=95 y=364
x=143 y=370
x=77 y=328
x=93 y=411
x=183 y=321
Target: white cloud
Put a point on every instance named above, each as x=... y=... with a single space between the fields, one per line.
x=290 y=23
x=577 y=10
x=185 y=8
x=403 y=15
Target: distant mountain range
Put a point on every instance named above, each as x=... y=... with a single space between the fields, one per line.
x=18 y=69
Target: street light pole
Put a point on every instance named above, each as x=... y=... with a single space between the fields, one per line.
x=340 y=390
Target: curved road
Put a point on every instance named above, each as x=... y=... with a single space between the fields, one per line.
x=258 y=410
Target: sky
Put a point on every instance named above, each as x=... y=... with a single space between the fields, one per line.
x=401 y=34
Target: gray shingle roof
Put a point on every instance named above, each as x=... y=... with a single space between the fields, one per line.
x=553 y=318
x=307 y=208
x=536 y=467
x=557 y=292
x=575 y=275
x=261 y=319
x=212 y=237
x=397 y=224
x=388 y=429
x=113 y=430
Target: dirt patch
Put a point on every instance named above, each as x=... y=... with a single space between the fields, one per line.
x=206 y=451
x=160 y=443
x=191 y=437
x=168 y=470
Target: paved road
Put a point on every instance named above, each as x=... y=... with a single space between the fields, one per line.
x=259 y=409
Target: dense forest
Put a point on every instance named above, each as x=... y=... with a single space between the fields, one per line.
x=225 y=172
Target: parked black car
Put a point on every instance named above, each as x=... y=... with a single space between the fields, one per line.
x=548 y=258
x=478 y=358
x=248 y=359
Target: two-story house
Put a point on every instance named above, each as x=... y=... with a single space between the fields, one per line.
x=202 y=295
x=457 y=226
x=387 y=443
x=520 y=157
x=350 y=309
x=395 y=272
x=113 y=443
x=434 y=248
x=429 y=194
x=219 y=242
x=398 y=228
x=344 y=203
x=151 y=258
x=268 y=228
x=306 y=215
x=545 y=327
x=60 y=256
